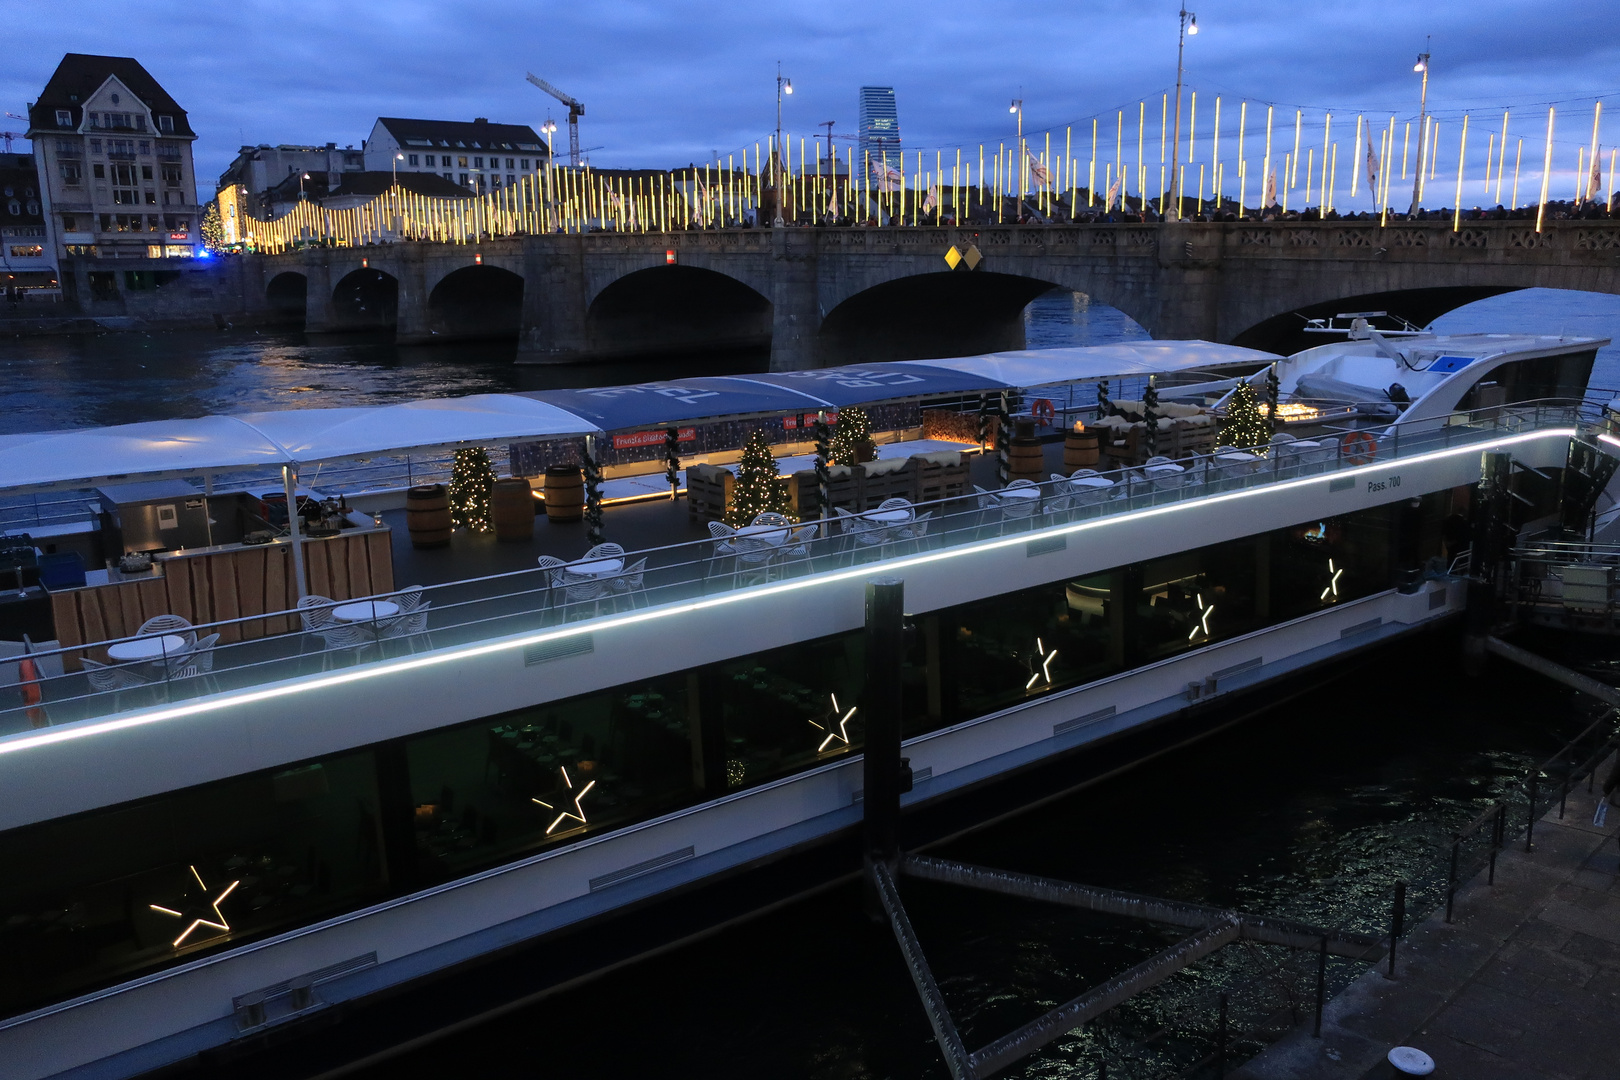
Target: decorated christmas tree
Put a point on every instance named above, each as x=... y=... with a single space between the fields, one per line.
x=1246 y=425
x=759 y=489
x=213 y=230
x=854 y=431
x=472 y=483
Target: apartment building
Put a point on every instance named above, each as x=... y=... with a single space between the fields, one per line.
x=479 y=156
x=113 y=151
x=27 y=256
x=263 y=173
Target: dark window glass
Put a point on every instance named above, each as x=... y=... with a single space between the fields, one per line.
x=99 y=171
x=785 y=710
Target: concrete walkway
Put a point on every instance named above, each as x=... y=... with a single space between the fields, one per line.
x=1523 y=985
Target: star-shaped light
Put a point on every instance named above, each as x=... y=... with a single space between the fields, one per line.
x=840 y=732
x=199 y=914
x=1333 y=581
x=1040 y=665
x=1202 y=625
x=578 y=813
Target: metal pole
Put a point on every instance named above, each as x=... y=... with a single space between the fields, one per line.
x=881 y=705
x=1321 y=986
x=1397 y=916
x=289 y=484
x=1530 y=819
x=1170 y=212
x=1220 y=1061
x=1451 y=880
x=1423 y=132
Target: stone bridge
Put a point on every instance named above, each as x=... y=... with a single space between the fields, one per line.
x=815 y=294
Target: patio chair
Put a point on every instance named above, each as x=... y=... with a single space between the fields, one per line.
x=579 y=590
x=409 y=599
x=604 y=551
x=202 y=653
x=753 y=560
x=895 y=503
x=315 y=612
x=914 y=530
x=159 y=625
x=769 y=518
x=725 y=547
x=407 y=625
x=797 y=546
x=631 y=582
x=105 y=677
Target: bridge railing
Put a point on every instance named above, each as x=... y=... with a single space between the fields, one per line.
x=251 y=652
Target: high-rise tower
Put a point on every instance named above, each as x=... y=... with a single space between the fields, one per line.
x=879 y=125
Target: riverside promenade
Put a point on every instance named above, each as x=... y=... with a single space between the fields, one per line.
x=1524 y=984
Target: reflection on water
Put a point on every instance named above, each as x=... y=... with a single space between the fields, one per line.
x=89 y=381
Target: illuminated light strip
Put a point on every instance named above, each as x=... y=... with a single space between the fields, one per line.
x=34 y=740
x=1333 y=582
x=220 y=925
x=843 y=725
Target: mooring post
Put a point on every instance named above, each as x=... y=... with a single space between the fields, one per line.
x=881 y=705
x=1451 y=879
x=1220 y=1060
x=1530 y=820
x=1321 y=986
x=1492 y=535
x=1397 y=916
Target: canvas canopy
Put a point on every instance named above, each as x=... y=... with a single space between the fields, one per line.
x=1030 y=368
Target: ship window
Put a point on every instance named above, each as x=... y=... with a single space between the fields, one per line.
x=496 y=790
x=98 y=898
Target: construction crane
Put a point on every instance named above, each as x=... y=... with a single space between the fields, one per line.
x=575 y=111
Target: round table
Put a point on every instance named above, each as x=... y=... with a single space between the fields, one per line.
x=595 y=567
x=150 y=647
x=365 y=611
x=774 y=535
x=888 y=517
x=1018 y=493
x=1092 y=481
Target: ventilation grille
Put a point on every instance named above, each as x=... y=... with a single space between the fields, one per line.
x=1361 y=628
x=658 y=862
x=1437 y=599
x=557 y=648
x=1237 y=669
x=1342 y=483
x=1082 y=721
x=1046 y=545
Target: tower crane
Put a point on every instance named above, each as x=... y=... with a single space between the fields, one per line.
x=575 y=111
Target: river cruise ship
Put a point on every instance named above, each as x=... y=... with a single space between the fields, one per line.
x=251 y=778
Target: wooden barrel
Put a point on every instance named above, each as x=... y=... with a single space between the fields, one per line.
x=1079 y=450
x=427 y=513
x=565 y=493
x=512 y=506
x=1026 y=459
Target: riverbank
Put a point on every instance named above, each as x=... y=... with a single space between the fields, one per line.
x=1524 y=983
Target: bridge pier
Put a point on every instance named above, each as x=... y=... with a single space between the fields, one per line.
x=318 y=314
x=414 y=324
x=795 y=304
x=552 y=330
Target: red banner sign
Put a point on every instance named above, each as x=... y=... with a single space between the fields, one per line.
x=634 y=439
x=790 y=423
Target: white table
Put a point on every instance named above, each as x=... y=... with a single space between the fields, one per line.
x=888 y=517
x=365 y=611
x=1097 y=482
x=150 y=647
x=774 y=535
x=595 y=567
x=1018 y=493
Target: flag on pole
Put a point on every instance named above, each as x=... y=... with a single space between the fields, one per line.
x=1271 y=188
x=1040 y=176
x=1595 y=184
x=886 y=175
x=1372 y=166
x=931 y=200
x=1113 y=190
x=832 y=205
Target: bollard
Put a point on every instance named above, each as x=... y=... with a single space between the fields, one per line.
x=1451 y=879
x=1397 y=915
x=1321 y=986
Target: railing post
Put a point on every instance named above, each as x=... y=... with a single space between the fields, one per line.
x=1397 y=916
x=1321 y=986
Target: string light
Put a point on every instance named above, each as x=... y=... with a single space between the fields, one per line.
x=759 y=488
x=472 y=487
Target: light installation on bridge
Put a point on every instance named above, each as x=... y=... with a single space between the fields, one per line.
x=1038 y=179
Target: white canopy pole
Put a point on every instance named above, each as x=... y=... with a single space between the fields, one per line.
x=289 y=483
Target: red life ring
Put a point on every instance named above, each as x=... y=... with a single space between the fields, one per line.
x=28 y=679
x=1358 y=448
x=1043 y=411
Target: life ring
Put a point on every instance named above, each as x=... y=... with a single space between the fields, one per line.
x=1358 y=448
x=1043 y=411
x=28 y=679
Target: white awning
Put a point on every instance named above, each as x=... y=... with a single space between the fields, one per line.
x=1047 y=367
x=89 y=456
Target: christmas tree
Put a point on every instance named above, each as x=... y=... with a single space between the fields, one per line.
x=854 y=431
x=1245 y=426
x=472 y=483
x=213 y=230
x=758 y=489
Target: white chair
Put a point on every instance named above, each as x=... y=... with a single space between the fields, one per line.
x=725 y=547
x=579 y=590
x=797 y=546
x=409 y=599
x=915 y=529
x=200 y=655
x=898 y=503
x=771 y=518
x=604 y=551
x=315 y=612
x=631 y=582
x=105 y=677
x=407 y=625
x=159 y=625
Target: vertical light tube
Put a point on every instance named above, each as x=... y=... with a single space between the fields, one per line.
x=1546 y=172
x=1462 y=154
x=1293 y=177
x=1091 y=179
x=1501 y=159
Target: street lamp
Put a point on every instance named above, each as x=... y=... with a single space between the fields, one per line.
x=784 y=85
x=547 y=128
x=1017 y=106
x=1422 y=65
x=395 y=163
x=301 y=180
x=1189 y=28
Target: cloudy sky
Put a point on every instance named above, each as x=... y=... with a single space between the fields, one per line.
x=675 y=81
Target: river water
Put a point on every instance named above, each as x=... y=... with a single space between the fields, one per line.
x=1309 y=810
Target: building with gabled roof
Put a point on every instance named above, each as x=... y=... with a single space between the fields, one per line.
x=477 y=155
x=113 y=151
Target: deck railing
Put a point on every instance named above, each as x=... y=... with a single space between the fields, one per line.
x=484 y=608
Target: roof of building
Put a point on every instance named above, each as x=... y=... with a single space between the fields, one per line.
x=480 y=134
x=375 y=183
x=81 y=74
x=19 y=184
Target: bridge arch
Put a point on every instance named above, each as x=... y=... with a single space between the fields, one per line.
x=675 y=309
x=475 y=302
x=365 y=299
x=287 y=295
x=1285 y=333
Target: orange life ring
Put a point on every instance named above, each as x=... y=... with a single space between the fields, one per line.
x=28 y=678
x=1358 y=448
x=1043 y=411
